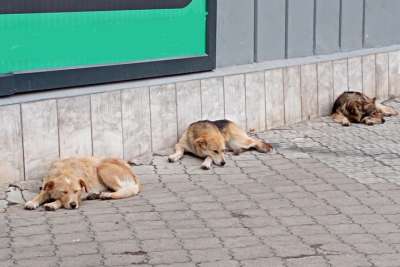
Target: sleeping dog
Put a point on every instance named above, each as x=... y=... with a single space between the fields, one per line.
x=358 y=108
x=209 y=139
x=73 y=179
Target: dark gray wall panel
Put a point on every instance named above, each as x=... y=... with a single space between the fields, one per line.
x=382 y=22
x=352 y=25
x=270 y=30
x=327 y=26
x=300 y=32
x=235 y=32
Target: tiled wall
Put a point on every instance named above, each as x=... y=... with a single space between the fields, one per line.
x=132 y=122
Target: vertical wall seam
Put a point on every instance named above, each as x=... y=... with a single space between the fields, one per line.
x=376 y=77
x=265 y=102
x=389 y=77
x=23 y=142
x=245 y=100
x=299 y=69
x=363 y=24
x=58 y=129
x=122 y=125
x=284 y=72
x=91 y=123
x=333 y=81
x=223 y=93
x=317 y=80
x=176 y=111
x=151 y=121
x=348 y=74
x=362 y=74
x=201 y=98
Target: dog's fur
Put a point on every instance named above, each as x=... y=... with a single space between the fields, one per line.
x=71 y=180
x=355 y=107
x=209 y=139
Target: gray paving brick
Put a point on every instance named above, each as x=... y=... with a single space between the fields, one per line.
x=160 y=245
x=31 y=241
x=227 y=263
x=251 y=252
x=31 y=252
x=374 y=248
x=354 y=260
x=267 y=262
x=76 y=249
x=168 y=257
x=210 y=255
x=5 y=253
x=314 y=261
x=201 y=243
x=125 y=260
x=82 y=260
x=41 y=261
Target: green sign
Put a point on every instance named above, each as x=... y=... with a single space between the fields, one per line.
x=42 y=41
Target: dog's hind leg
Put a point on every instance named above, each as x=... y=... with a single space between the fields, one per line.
x=123 y=192
x=179 y=151
x=241 y=143
x=386 y=110
x=340 y=118
x=123 y=187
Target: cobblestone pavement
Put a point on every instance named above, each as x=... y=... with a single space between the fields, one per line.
x=327 y=197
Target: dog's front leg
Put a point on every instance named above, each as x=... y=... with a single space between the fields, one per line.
x=340 y=118
x=179 y=151
x=42 y=197
x=53 y=205
x=206 y=165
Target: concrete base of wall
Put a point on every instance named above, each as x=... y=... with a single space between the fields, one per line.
x=133 y=119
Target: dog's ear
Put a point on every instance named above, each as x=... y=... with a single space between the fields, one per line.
x=83 y=185
x=48 y=186
x=201 y=142
x=374 y=100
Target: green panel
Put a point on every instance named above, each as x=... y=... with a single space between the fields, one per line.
x=57 y=40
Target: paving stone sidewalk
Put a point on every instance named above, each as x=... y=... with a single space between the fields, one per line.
x=328 y=196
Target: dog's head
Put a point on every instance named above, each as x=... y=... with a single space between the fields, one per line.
x=67 y=189
x=213 y=147
x=370 y=110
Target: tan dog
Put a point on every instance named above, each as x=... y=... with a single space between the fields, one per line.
x=359 y=108
x=209 y=139
x=73 y=179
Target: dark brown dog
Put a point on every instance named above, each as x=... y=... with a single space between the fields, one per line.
x=355 y=107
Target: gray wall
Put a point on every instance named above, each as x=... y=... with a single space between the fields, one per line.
x=262 y=30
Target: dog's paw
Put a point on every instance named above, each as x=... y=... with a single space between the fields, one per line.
x=171 y=159
x=205 y=167
x=105 y=195
x=265 y=148
x=236 y=152
x=346 y=124
x=93 y=196
x=50 y=207
x=31 y=205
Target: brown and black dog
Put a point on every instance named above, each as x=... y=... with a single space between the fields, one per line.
x=356 y=107
x=71 y=180
x=209 y=139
